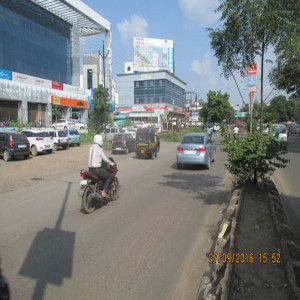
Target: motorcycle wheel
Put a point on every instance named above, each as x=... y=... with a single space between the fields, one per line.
x=88 y=203
x=114 y=189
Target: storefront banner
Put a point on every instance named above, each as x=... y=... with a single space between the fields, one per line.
x=73 y=89
x=57 y=85
x=5 y=74
x=31 y=80
x=69 y=102
x=155 y=106
x=119 y=109
x=138 y=108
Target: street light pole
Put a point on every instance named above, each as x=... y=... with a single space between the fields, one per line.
x=103 y=63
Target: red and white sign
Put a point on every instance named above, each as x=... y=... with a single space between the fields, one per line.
x=252 y=88
x=124 y=109
x=155 y=106
x=57 y=85
x=252 y=69
x=31 y=80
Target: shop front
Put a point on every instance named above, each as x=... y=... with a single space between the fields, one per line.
x=69 y=109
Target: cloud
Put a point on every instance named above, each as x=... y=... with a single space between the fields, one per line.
x=201 y=12
x=206 y=79
x=135 y=27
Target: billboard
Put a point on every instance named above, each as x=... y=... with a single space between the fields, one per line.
x=153 y=55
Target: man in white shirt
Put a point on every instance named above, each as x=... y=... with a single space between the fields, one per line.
x=96 y=167
x=235 y=131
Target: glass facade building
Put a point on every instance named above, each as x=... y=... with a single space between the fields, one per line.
x=160 y=87
x=27 y=36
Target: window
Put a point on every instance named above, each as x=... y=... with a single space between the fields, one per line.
x=89 y=79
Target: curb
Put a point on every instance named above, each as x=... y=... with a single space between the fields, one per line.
x=289 y=247
x=216 y=280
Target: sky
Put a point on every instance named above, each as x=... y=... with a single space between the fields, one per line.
x=184 y=22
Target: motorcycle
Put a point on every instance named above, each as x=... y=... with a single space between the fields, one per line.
x=91 y=187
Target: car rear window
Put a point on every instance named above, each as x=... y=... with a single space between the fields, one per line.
x=119 y=137
x=193 y=140
x=62 y=134
x=73 y=132
x=19 y=138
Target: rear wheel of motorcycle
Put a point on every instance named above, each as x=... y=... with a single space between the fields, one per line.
x=88 y=204
x=114 y=189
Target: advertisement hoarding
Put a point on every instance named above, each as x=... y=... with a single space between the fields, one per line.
x=153 y=55
x=31 y=80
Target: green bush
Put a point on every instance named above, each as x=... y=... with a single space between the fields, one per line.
x=255 y=156
x=176 y=136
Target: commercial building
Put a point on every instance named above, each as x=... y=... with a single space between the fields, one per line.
x=40 y=58
x=151 y=97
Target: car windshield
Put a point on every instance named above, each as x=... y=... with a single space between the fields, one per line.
x=119 y=137
x=73 y=132
x=19 y=138
x=62 y=134
x=191 y=139
x=44 y=134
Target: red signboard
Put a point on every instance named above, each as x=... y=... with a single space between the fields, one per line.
x=155 y=106
x=252 y=69
x=57 y=85
x=124 y=109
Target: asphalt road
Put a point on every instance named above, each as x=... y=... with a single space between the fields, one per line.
x=149 y=244
x=288 y=183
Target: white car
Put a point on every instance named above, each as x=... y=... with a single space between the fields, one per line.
x=60 y=139
x=79 y=125
x=131 y=131
x=40 y=141
x=63 y=124
x=279 y=132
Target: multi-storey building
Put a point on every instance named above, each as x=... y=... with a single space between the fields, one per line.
x=40 y=58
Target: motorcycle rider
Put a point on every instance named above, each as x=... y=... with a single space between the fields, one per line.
x=235 y=131
x=96 y=167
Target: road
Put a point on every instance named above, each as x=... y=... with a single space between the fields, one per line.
x=149 y=244
x=287 y=183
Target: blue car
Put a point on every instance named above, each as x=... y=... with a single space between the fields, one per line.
x=73 y=137
x=196 y=149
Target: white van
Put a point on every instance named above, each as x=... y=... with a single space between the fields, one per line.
x=110 y=132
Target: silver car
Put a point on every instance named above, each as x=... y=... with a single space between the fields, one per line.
x=196 y=149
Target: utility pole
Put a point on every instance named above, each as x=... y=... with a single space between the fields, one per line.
x=103 y=63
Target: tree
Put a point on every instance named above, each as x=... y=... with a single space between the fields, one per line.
x=217 y=108
x=98 y=115
x=286 y=73
x=277 y=110
x=248 y=29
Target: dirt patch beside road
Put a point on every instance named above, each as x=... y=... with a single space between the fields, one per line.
x=20 y=173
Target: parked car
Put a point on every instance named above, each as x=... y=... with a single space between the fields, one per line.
x=110 y=132
x=73 y=137
x=196 y=149
x=123 y=142
x=13 y=144
x=60 y=139
x=79 y=125
x=63 y=124
x=279 y=131
x=40 y=141
x=147 y=143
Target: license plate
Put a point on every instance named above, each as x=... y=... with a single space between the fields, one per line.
x=47 y=146
x=118 y=148
x=83 y=182
x=143 y=151
x=21 y=146
x=189 y=152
